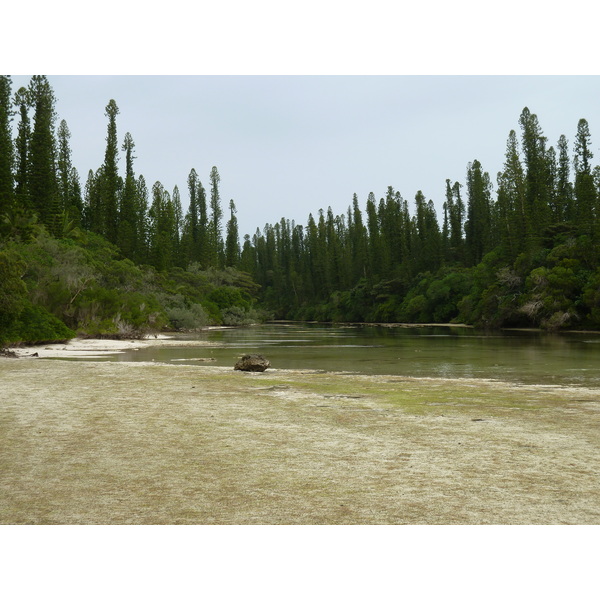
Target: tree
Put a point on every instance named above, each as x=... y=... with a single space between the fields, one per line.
x=43 y=186
x=195 y=236
x=248 y=257
x=128 y=236
x=162 y=227
x=69 y=189
x=536 y=176
x=357 y=236
x=585 y=192
x=6 y=147
x=374 y=248
x=13 y=292
x=178 y=257
x=232 y=244
x=427 y=236
x=22 y=102
x=511 y=216
x=109 y=183
x=564 y=187
x=455 y=209
x=214 y=230
x=478 y=225
x=141 y=220
x=192 y=233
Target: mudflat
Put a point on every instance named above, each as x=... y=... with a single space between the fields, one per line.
x=146 y=443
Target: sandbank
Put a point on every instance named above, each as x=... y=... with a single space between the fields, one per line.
x=102 y=442
x=95 y=348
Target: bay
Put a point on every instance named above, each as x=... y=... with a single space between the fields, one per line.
x=531 y=357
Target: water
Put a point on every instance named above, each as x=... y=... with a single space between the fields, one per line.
x=519 y=356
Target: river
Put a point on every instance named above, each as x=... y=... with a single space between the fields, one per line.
x=530 y=357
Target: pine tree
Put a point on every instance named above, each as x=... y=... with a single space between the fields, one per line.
x=248 y=257
x=551 y=184
x=162 y=228
x=215 y=239
x=232 y=244
x=358 y=242
x=585 y=192
x=142 y=221
x=128 y=235
x=511 y=216
x=478 y=225
x=42 y=179
x=69 y=190
x=110 y=183
x=90 y=203
x=22 y=197
x=457 y=223
x=6 y=147
x=427 y=248
x=192 y=233
x=564 y=191
x=203 y=228
x=374 y=248
x=178 y=256
x=334 y=239
x=536 y=176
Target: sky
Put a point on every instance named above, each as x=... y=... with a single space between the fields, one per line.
x=289 y=145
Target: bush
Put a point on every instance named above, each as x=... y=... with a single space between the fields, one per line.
x=182 y=318
x=35 y=325
x=13 y=293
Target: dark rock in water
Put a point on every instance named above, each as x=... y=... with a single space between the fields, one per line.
x=252 y=362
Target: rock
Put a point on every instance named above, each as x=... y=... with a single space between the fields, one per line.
x=252 y=362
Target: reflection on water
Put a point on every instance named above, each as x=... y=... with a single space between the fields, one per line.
x=528 y=357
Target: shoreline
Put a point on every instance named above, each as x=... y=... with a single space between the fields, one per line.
x=96 y=348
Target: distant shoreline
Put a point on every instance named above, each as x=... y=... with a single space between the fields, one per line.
x=95 y=348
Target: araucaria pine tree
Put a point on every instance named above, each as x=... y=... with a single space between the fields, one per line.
x=215 y=239
x=6 y=148
x=43 y=186
x=109 y=181
x=128 y=236
x=232 y=243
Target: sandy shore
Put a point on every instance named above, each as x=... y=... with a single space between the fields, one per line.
x=144 y=443
x=92 y=348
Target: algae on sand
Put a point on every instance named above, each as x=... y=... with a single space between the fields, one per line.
x=142 y=443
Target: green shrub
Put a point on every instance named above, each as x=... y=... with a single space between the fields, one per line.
x=36 y=325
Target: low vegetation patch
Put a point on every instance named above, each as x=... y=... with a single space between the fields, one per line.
x=145 y=443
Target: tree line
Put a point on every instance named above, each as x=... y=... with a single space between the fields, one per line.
x=114 y=256
x=521 y=253
x=38 y=180
x=526 y=254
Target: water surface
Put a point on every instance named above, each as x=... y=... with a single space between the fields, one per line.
x=520 y=356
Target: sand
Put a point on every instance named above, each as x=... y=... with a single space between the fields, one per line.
x=84 y=442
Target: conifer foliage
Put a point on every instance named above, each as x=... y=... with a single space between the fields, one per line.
x=522 y=249
x=527 y=254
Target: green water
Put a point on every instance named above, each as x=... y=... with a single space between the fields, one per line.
x=525 y=357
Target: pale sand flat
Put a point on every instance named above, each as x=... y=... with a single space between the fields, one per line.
x=144 y=443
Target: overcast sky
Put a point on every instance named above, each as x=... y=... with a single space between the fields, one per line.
x=287 y=146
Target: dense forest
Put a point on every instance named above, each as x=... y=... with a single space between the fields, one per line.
x=113 y=257
x=116 y=257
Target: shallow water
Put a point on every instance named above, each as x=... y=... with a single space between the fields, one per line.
x=452 y=352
